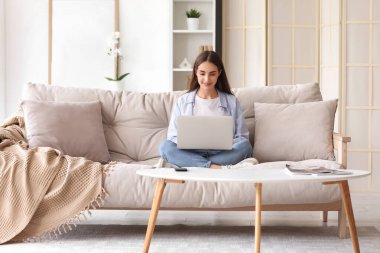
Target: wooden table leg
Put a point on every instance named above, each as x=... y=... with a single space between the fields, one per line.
x=153 y=213
x=345 y=191
x=325 y=216
x=258 y=218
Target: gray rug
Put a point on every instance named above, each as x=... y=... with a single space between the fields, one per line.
x=115 y=239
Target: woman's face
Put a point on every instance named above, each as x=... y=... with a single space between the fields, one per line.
x=207 y=75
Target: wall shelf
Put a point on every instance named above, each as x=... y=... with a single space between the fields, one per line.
x=189 y=43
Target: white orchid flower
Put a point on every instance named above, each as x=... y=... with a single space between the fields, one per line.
x=114 y=50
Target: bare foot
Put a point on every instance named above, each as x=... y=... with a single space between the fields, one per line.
x=215 y=166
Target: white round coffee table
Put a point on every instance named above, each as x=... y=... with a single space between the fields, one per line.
x=258 y=176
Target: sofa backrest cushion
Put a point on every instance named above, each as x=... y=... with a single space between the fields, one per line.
x=135 y=123
x=75 y=129
x=294 y=132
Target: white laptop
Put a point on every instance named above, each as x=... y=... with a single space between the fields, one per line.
x=205 y=132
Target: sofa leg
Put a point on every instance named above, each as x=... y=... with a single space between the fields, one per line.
x=342 y=224
x=325 y=216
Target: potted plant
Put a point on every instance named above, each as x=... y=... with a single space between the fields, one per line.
x=113 y=50
x=193 y=19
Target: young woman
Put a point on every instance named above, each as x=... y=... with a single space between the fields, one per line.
x=209 y=94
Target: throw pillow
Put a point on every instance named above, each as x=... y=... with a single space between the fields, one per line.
x=76 y=129
x=294 y=132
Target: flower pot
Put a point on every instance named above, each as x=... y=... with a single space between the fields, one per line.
x=192 y=23
x=116 y=85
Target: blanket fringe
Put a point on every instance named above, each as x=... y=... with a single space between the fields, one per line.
x=73 y=222
x=108 y=168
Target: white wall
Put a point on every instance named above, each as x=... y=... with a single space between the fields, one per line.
x=2 y=61
x=26 y=34
x=80 y=32
x=145 y=38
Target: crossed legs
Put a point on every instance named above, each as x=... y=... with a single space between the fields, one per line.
x=204 y=158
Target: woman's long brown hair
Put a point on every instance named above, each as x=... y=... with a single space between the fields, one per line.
x=210 y=56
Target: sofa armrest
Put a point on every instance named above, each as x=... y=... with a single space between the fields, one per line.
x=340 y=146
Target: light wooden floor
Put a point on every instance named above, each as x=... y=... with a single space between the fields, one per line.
x=366 y=210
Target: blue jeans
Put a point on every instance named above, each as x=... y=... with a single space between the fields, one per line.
x=204 y=158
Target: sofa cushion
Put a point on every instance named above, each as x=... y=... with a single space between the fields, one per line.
x=280 y=94
x=126 y=189
x=294 y=132
x=74 y=128
x=135 y=123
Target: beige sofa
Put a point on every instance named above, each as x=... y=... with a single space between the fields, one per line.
x=135 y=123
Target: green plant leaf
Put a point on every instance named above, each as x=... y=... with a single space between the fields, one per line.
x=122 y=76
x=193 y=13
x=109 y=78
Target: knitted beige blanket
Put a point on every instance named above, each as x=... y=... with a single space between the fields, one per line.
x=42 y=192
